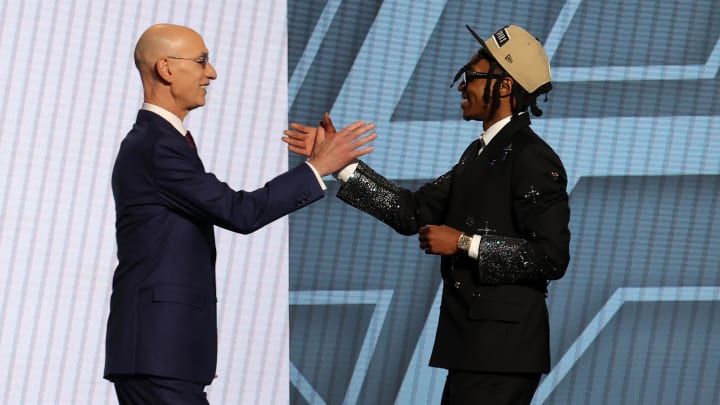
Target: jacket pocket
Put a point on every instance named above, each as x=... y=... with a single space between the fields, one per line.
x=179 y=295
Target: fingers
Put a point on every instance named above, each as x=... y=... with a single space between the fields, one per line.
x=320 y=137
x=354 y=130
x=294 y=134
x=298 y=150
x=293 y=141
x=348 y=130
x=298 y=136
x=426 y=247
x=298 y=142
x=363 y=141
x=362 y=152
x=363 y=130
x=327 y=123
x=306 y=129
x=357 y=145
x=424 y=239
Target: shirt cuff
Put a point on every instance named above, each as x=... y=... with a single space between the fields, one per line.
x=345 y=173
x=474 y=250
x=317 y=176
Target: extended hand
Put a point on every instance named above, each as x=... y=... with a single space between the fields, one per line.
x=333 y=151
x=439 y=239
x=301 y=138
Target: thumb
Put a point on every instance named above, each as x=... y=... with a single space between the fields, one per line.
x=328 y=124
x=320 y=135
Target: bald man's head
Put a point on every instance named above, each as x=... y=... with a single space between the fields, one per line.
x=174 y=67
x=161 y=40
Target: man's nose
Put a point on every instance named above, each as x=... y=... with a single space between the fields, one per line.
x=211 y=72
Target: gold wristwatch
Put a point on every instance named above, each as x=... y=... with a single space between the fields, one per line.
x=463 y=242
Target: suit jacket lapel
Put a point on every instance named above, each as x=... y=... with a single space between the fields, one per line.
x=501 y=144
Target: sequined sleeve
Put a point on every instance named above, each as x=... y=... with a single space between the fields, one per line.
x=506 y=260
x=379 y=197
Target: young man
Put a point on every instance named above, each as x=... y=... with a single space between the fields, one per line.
x=499 y=218
x=161 y=345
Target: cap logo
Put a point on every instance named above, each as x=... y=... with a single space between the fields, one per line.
x=501 y=37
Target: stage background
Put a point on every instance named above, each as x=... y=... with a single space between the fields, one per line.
x=634 y=116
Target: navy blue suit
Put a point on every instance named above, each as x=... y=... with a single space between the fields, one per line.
x=162 y=318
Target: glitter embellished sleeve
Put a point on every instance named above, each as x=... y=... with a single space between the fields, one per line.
x=399 y=208
x=542 y=215
x=506 y=260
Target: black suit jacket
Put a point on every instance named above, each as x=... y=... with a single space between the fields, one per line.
x=162 y=318
x=493 y=316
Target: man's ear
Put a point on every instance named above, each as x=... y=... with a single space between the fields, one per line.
x=506 y=86
x=162 y=68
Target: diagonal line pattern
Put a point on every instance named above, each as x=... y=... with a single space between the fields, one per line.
x=621 y=73
x=389 y=92
x=381 y=299
x=562 y=23
x=312 y=47
x=605 y=315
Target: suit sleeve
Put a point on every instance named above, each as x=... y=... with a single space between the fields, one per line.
x=403 y=210
x=541 y=214
x=186 y=187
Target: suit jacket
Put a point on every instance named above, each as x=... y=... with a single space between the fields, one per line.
x=493 y=316
x=162 y=318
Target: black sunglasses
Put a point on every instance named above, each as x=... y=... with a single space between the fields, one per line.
x=469 y=75
x=466 y=76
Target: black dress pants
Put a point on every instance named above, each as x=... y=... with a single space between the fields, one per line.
x=471 y=388
x=150 y=390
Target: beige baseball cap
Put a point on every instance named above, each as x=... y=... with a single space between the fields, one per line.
x=521 y=55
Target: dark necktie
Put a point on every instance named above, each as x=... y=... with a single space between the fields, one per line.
x=482 y=145
x=189 y=139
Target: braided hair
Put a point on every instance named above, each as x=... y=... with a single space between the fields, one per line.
x=521 y=100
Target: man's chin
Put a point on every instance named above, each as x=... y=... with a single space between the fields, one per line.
x=197 y=105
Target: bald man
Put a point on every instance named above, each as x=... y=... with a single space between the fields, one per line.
x=161 y=344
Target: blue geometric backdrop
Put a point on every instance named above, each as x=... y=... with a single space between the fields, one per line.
x=634 y=115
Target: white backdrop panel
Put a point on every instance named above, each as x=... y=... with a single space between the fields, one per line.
x=72 y=93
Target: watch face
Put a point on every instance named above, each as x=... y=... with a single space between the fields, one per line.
x=464 y=242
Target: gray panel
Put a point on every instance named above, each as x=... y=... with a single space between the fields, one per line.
x=650 y=353
x=635 y=232
x=335 y=247
x=633 y=237
x=325 y=342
